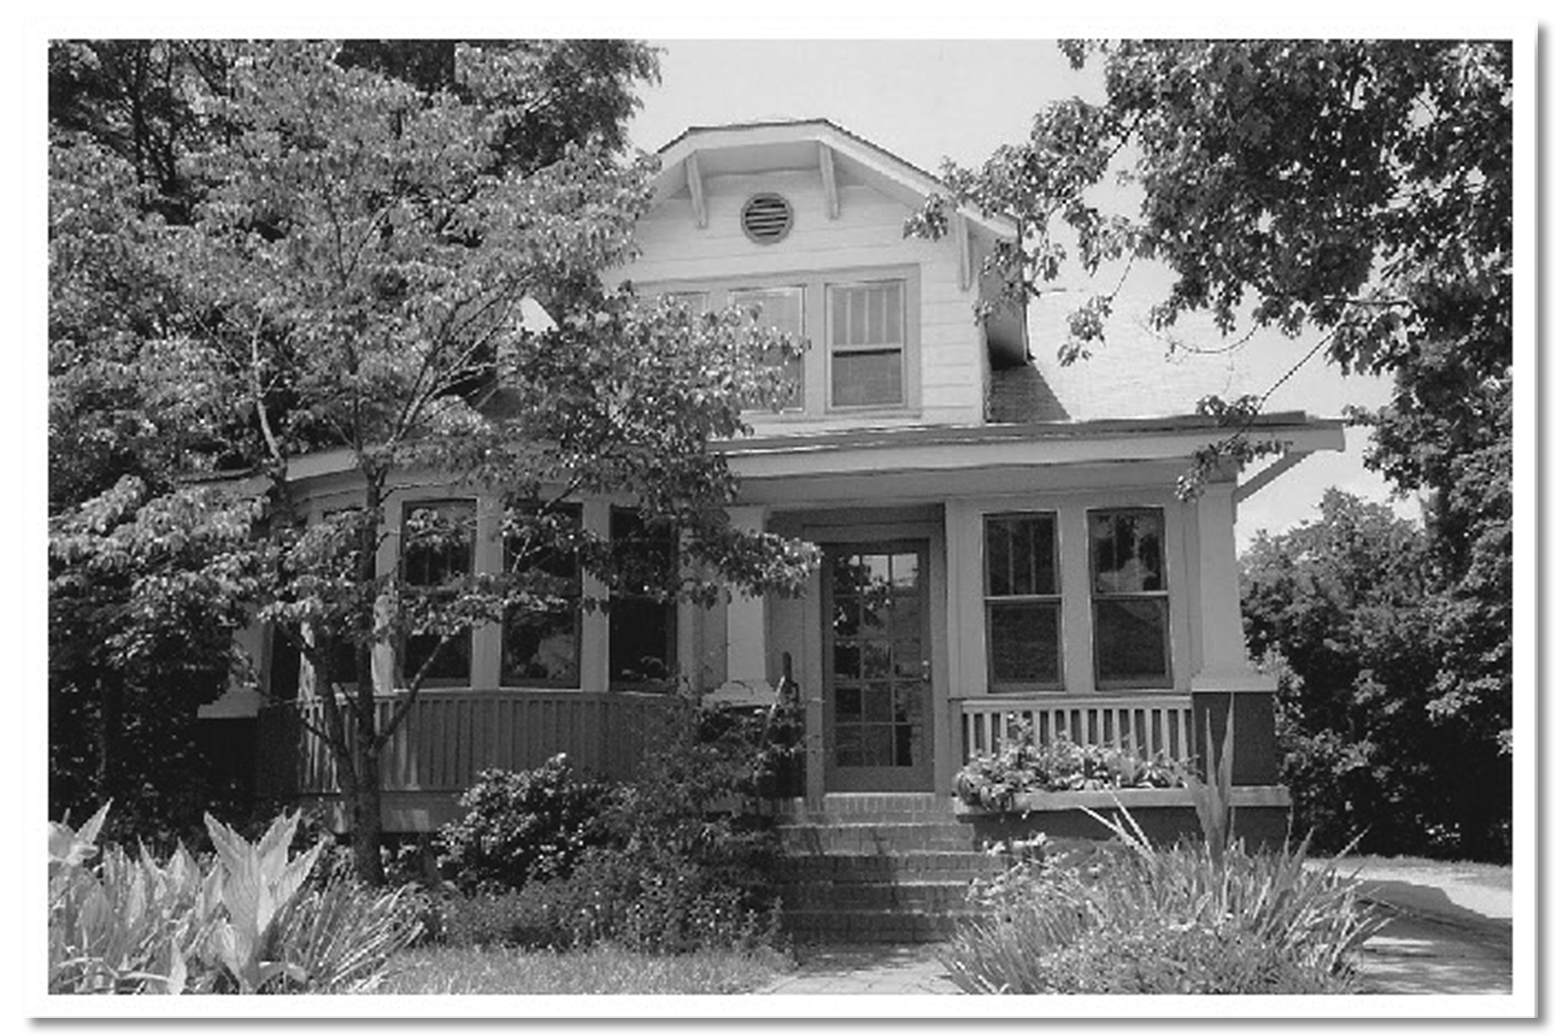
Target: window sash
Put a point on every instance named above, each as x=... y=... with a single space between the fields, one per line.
x=1022 y=575
x=642 y=630
x=866 y=324
x=790 y=317
x=552 y=659
x=431 y=567
x=1130 y=607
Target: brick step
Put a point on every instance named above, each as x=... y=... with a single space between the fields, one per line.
x=936 y=897
x=849 y=868
x=870 y=838
x=871 y=926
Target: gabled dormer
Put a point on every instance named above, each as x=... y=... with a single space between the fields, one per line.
x=805 y=222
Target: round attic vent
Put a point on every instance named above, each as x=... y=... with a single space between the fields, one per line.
x=766 y=218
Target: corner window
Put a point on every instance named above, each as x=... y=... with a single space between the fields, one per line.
x=1130 y=598
x=642 y=644
x=438 y=540
x=541 y=642
x=867 y=344
x=1023 y=603
x=780 y=309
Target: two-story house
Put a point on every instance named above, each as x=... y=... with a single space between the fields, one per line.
x=984 y=555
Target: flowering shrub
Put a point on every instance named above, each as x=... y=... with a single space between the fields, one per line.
x=991 y=780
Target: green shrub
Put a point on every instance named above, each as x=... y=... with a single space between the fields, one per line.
x=1132 y=918
x=520 y=827
x=248 y=921
x=669 y=862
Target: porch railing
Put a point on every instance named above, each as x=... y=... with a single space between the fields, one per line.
x=1141 y=724
x=451 y=736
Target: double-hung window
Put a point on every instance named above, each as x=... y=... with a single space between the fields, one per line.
x=867 y=344
x=541 y=641
x=1130 y=597
x=438 y=542
x=1023 y=603
x=642 y=644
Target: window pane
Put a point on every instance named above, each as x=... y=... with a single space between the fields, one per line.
x=1130 y=638
x=868 y=314
x=1021 y=555
x=869 y=378
x=1127 y=551
x=438 y=538
x=453 y=663
x=1025 y=642
x=541 y=648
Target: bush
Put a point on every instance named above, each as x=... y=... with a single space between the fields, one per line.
x=250 y=920
x=520 y=827
x=1132 y=918
x=670 y=862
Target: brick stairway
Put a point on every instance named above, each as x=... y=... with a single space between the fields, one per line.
x=879 y=868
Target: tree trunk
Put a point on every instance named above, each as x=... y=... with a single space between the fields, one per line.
x=367 y=825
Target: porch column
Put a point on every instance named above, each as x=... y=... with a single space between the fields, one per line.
x=747 y=655
x=1226 y=683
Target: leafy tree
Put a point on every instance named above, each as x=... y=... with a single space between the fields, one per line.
x=355 y=280
x=1358 y=189
x=1335 y=606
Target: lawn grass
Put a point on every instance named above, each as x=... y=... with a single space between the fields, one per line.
x=601 y=969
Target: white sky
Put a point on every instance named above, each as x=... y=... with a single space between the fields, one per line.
x=928 y=99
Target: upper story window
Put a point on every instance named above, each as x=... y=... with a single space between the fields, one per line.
x=867 y=344
x=1023 y=603
x=783 y=310
x=1130 y=597
x=438 y=540
x=857 y=328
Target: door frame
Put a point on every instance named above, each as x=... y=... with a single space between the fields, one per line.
x=838 y=529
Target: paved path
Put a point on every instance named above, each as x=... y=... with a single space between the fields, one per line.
x=1447 y=937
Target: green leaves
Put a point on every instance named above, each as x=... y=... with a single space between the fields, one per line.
x=254 y=883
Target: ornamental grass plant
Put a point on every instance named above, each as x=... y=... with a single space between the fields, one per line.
x=1130 y=917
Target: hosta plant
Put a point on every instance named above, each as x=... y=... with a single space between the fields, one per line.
x=249 y=921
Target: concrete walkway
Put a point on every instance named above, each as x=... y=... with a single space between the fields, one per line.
x=1447 y=936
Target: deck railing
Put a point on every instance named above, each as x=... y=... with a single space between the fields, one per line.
x=1144 y=725
x=451 y=736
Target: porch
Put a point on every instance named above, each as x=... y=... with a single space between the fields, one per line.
x=452 y=735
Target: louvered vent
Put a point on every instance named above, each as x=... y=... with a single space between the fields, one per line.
x=766 y=218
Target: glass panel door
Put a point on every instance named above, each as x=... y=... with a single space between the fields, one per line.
x=877 y=669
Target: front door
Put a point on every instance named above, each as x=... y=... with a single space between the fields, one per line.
x=877 y=668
